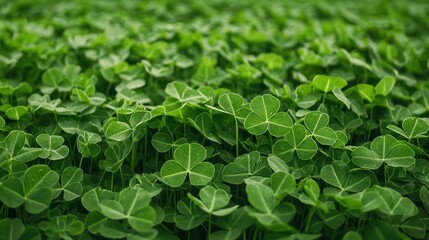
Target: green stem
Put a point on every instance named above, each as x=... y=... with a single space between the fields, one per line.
x=156 y=160
x=370 y=121
x=112 y=179
x=81 y=161
x=255 y=234
x=122 y=177
x=134 y=157
x=236 y=137
x=101 y=178
x=145 y=150
x=210 y=227
x=385 y=174
x=308 y=219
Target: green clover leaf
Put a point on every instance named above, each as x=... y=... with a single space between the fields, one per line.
x=296 y=141
x=384 y=149
x=265 y=116
x=52 y=146
x=188 y=160
x=213 y=201
x=317 y=123
x=245 y=166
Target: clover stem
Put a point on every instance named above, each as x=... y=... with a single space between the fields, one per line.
x=2 y=211
x=174 y=198
x=255 y=234
x=308 y=218
x=90 y=166
x=62 y=165
x=112 y=179
x=184 y=129
x=101 y=178
x=134 y=157
x=145 y=149
x=385 y=174
x=236 y=137
x=370 y=121
x=156 y=160
x=80 y=162
x=210 y=227
x=108 y=88
x=122 y=177
x=324 y=97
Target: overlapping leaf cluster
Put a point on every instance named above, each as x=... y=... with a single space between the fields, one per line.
x=214 y=119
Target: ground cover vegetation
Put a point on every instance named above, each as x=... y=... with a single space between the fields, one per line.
x=214 y=120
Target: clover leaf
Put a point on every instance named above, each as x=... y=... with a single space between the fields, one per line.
x=34 y=189
x=213 y=201
x=87 y=144
x=16 y=113
x=383 y=149
x=385 y=86
x=264 y=116
x=204 y=124
x=53 y=147
x=71 y=183
x=412 y=127
x=389 y=202
x=296 y=141
x=338 y=174
x=266 y=210
x=63 y=226
x=190 y=216
x=244 y=166
x=317 y=123
x=117 y=131
x=11 y=228
x=231 y=103
x=133 y=205
x=326 y=83
x=188 y=160
x=92 y=199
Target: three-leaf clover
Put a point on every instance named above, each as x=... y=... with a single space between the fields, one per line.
x=34 y=189
x=266 y=209
x=116 y=130
x=11 y=228
x=264 y=116
x=311 y=193
x=190 y=216
x=246 y=165
x=87 y=144
x=387 y=201
x=384 y=149
x=15 y=151
x=188 y=160
x=412 y=127
x=71 y=183
x=317 y=123
x=296 y=140
x=133 y=205
x=338 y=174
x=204 y=124
x=53 y=147
x=326 y=83
x=213 y=201
x=63 y=226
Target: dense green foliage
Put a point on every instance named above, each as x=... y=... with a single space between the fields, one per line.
x=214 y=119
